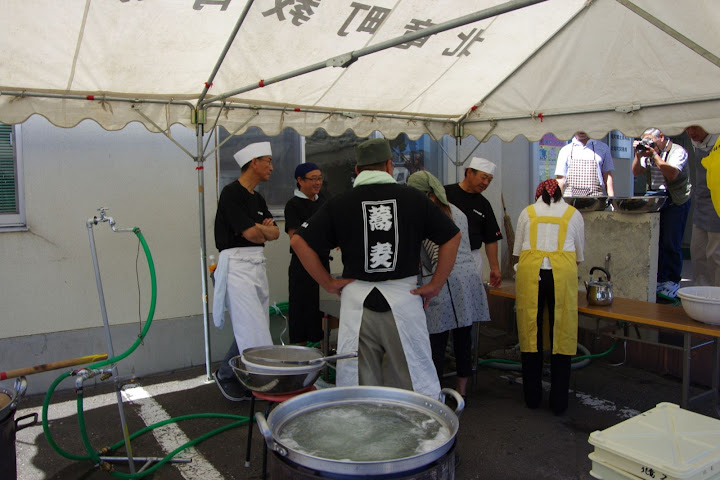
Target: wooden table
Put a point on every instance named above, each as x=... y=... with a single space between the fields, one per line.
x=658 y=316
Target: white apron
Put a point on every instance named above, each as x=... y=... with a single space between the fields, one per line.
x=477 y=256
x=411 y=324
x=241 y=283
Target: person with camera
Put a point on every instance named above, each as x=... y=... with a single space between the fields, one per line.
x=665 y=164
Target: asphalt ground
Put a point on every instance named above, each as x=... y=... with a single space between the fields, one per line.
x=499 y=438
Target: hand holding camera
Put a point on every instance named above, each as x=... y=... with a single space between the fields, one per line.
x=646 y=146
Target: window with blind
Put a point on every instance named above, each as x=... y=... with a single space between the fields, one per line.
x=11 y=199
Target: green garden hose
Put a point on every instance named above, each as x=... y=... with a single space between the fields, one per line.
x=92 y=453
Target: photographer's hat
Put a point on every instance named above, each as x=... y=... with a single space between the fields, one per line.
x=372 y=151
x=254 y=150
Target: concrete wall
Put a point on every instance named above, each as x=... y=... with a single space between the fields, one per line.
x=48 y=291
x=631 y=240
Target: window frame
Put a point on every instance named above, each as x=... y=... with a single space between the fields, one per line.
x=10 y=222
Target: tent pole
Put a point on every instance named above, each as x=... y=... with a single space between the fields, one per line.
x=228 y=44
x=703 y=52
x=203 y=244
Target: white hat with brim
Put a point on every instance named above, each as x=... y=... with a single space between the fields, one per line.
x=482 y=165
x=254 y=150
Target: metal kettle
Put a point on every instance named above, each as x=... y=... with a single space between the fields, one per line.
x=599 y=292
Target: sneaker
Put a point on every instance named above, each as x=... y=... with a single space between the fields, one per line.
x=668 y=289
x=232 y=389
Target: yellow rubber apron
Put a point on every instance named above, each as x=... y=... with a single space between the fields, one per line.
x=564 y=269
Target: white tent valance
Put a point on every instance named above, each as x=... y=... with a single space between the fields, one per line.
x=556 y=66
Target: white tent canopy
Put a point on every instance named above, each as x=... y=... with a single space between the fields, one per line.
x=556 y=66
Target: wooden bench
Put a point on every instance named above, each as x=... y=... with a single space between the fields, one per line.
x=658 y=316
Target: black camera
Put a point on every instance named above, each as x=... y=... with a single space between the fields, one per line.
x=645 y=144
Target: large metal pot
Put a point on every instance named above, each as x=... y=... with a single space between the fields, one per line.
x=9 y=399
x=337 y=402
x=275 y=383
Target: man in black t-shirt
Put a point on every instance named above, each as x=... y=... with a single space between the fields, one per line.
x=243 y=224
x=379 y=227
x=305 y=320
x=467 y=196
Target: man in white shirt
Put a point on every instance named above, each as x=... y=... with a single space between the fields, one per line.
x=665 y=164
x=584 y=168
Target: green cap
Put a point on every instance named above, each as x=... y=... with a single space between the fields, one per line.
x=372 y=151
x=426 y=183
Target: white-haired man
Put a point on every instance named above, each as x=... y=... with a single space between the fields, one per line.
x=665 y=164
x=243 y=224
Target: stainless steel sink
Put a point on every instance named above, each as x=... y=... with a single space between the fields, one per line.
x=638 y=204
x=587 y=204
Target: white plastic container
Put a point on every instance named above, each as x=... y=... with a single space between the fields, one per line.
x=604 y=471
x=701 y=303
x=664 y=443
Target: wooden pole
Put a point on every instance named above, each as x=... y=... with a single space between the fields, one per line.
x=20 y=372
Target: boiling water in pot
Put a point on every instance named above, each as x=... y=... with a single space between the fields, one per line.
x=364 y=432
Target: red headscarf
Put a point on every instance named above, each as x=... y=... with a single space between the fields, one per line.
x=549 y=185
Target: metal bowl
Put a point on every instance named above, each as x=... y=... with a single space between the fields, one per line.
x=275 y=383
x=638 y=204
x=587 y=204
x=279 y=358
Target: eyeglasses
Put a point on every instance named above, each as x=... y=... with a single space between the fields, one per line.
x=314 y=179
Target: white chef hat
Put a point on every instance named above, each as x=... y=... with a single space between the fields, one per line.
x=254 y=150
x=482 y=165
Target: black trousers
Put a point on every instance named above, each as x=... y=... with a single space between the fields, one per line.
x=462 y=346
x=532 y=363
x=304 y=302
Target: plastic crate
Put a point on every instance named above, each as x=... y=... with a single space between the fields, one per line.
x=603 y=471
x=664 y=443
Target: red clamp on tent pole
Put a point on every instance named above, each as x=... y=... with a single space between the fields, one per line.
x=261 y=83
x=199 y=168
x=208 y=85
x=540 y=116
x=90 y=97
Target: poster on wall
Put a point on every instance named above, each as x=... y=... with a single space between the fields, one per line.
x=620 y=145
x=548 y=148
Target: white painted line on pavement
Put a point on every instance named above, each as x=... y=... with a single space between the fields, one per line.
x=170 y=436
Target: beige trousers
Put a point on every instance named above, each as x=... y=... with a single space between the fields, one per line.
x=381 y=359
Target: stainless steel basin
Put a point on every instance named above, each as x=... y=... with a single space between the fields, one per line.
x=587 y=204
x=638 y=204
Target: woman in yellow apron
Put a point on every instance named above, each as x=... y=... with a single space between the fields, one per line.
x=550 y=240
